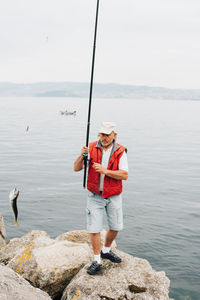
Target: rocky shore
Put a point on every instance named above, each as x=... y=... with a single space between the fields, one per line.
x=37 y=267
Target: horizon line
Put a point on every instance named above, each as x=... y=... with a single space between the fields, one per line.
x=99 y=83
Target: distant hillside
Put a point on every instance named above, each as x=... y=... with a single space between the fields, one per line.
x=100 y=90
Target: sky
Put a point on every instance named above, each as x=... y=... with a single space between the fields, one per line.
x=139 y=42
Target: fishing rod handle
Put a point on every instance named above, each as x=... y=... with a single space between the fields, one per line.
x=85 y=160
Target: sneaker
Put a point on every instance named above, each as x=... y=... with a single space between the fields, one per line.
x=94 y=268
x=111 y=256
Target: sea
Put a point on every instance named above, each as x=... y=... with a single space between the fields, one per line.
x=161 y=198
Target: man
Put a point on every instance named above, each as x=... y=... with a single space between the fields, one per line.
x=108 y=166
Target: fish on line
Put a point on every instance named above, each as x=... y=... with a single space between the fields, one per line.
x=13 y=203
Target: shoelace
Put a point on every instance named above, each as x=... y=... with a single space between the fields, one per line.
x=113 y=254
x=93 y=265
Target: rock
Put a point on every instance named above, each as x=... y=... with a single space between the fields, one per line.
x=82 y=236
x=133 y=278
x=76 y=236
x=14 y=287
x=60 y=265
x=18 y=245
x=48 y=264
x=2 y=232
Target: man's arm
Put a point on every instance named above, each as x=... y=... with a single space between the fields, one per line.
x=118 y=175
x=78 y=164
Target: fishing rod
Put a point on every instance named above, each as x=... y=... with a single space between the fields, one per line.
x=85 y=155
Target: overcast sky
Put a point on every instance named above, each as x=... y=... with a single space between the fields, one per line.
x=139 y=42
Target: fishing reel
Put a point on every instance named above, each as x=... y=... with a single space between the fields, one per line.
x=85 y=162
x=85 y=158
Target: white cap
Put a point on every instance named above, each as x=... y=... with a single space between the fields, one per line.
x=107 y=127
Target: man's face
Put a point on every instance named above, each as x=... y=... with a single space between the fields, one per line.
x=107 y=139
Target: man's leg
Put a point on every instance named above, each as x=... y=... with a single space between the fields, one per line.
x=95 y=210
x=96 y=242
x=106 y=252
x=115 y=222
x=95 y=267
x=110 y=236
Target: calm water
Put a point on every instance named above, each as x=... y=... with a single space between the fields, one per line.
x=161 y=196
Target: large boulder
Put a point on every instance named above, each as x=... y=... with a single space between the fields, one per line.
x=82 y=236
x=59 y=265
x=48 y=264
x=133 y=278
x=2 y=232
x=14 y=287
x=17 y=246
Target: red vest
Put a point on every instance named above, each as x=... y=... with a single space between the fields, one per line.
x=111 y=186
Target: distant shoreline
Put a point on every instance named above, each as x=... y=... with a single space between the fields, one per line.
x=100 y=90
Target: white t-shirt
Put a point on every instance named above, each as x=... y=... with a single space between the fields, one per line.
x=123 y=164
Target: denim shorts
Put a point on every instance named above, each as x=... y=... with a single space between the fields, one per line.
x=95 y=212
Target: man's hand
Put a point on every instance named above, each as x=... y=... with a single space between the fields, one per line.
x=84 y=149
x=78 y=164
x=98 y=168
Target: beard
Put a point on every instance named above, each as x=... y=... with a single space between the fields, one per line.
x=106 y=144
